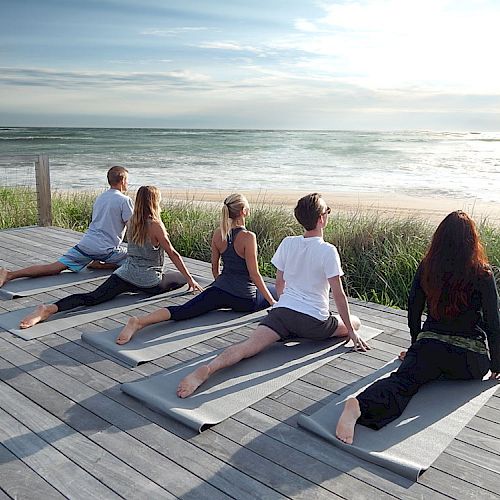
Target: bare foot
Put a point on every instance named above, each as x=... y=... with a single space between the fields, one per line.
x=41 y=313
x=191 y=382
x=347 y=421
x=132 y=326
x=3 y=276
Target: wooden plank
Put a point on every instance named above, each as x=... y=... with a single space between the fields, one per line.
x=371 y=474
x=484 y=442
x=475 y=455
x=83 y=451
x=17 y=480
x=191 y=458
x=264 y=470
x=294 y=460
x=49 y=463
x=453 y=486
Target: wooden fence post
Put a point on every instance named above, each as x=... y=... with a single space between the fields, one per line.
x=43 y=195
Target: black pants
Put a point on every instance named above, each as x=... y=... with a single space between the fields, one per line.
x=114 y=286
x=213 y=298
x=426 y=360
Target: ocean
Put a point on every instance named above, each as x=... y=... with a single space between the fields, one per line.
x=420 y=164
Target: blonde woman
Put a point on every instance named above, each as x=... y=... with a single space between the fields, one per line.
x=239 y=286
x=143 y=269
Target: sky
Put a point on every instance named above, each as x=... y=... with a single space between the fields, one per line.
x=285 y=64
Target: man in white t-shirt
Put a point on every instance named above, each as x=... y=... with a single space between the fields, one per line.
x=307 y=267
x=101 y=244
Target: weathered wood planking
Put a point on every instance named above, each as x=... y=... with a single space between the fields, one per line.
x=68 y=430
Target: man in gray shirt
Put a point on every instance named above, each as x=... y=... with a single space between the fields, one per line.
x=101 y=244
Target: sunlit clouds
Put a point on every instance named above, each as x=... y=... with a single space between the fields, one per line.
x=379 y=64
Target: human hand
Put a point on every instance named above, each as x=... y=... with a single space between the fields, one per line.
x=359 y=343
x=402 y=355
x=495 y=376
x=194 y=286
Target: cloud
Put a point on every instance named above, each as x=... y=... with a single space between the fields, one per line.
x=305 y=25
x=38 y=77
x=170 y=32
x=230 y=45
x=444 y=45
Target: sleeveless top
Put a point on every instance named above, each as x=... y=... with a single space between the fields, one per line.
x=235 y=278
x=143 y=266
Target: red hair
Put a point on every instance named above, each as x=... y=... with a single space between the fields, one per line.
x=455 y=259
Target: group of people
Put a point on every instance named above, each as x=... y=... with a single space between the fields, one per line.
x=453 y=280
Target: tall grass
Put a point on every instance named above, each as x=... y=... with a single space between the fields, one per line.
x=18 y=207
x=379 y=254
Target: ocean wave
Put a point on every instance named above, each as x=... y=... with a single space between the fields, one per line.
x=46 y=138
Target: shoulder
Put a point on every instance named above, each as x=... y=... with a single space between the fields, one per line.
x=217 y=236
x=155 y=225
x=247 y=236
x=327 y=249
x=290 y=240
x=126 y=200
x=486 y=277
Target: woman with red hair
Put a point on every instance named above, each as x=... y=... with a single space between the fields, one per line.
x=457 y=284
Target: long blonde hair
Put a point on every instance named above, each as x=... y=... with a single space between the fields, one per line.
x=233 y=205
x=146 y=208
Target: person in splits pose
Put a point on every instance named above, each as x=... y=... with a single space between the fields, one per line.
x=239 y=286
x=142 y=271
x=458 y=286
x=100 y=246
x=307 y=267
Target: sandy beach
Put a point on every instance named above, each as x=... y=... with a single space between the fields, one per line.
x=386 y=204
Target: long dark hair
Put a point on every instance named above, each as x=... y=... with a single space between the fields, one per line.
x=455 y=259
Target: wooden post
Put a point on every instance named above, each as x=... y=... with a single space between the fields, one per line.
x=43 y=195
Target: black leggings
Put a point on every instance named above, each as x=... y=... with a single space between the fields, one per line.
x=213 y=298
x=114 y=286
x=426 y=360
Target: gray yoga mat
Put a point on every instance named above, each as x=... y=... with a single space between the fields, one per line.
x=161 y=339
x=76 y=317
x=24 y=287
x=239 y=386
x=410 y=444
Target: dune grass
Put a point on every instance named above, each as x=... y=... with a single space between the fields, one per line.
x=379 y=254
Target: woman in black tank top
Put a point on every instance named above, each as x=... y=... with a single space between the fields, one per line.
x=239 y=286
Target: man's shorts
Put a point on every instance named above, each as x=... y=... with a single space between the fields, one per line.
x=289 y=324
x=75 y=259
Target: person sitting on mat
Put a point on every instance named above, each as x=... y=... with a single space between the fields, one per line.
x=101 y=243
x=307 y=267
x=457 y=284
x=141 y=272
x=239 y=286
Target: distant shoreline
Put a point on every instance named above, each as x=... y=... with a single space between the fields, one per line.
x=386 y=204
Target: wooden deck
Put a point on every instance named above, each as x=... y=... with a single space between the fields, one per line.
x=67 y=430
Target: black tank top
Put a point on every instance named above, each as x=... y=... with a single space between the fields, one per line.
x=234 y=277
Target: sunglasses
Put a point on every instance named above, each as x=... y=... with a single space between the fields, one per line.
x=327 y=211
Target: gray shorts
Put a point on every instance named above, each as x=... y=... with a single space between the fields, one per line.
x=289 y=324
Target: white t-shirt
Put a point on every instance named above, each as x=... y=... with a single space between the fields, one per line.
x=111 y=211
x=307 y=264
